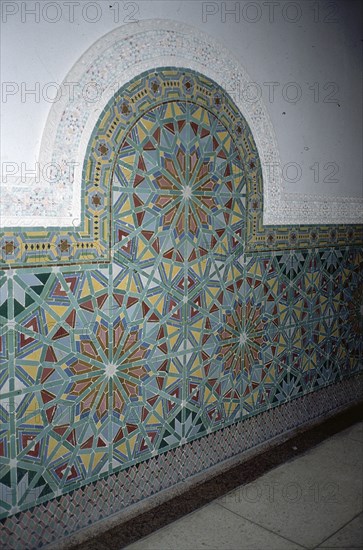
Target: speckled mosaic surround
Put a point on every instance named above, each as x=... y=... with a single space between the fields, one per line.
x=169 y=320
x=111 y=62
x=90 y=242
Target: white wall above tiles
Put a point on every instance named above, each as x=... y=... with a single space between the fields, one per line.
x=303 y=50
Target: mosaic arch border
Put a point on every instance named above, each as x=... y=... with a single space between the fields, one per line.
x=111 y=62
x=89 y=243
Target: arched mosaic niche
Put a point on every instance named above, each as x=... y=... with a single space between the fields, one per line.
x=174 y=158
x=118 y=362
x=90 y=242
x=214 y=112
x=56 y=225
x=188 y=86
x=111 y=62
x=174 y=333
x=181 y=159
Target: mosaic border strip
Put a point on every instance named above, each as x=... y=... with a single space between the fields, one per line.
x=91 y=242
x=69 y=513
x=119 y=56
x=91 y=351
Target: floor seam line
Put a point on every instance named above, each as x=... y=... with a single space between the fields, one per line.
x=337 y=531
x=265 y=528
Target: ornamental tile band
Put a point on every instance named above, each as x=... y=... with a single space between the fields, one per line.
x=170 y=321
x=113 y=61
x=57 y=518
x=214 y=112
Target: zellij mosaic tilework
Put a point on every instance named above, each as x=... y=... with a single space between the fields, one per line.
x=159 y=321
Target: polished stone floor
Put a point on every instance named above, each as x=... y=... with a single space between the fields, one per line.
x=312 y=501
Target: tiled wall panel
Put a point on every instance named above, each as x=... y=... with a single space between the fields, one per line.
x=169 y=320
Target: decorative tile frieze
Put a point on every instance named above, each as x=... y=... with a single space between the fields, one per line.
x=64 y=515
x=108 y=65
x=153 y=341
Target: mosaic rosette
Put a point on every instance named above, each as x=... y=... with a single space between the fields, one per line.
x=180 y=183
x=88 y=239
x=182 y=330
x=96 y=383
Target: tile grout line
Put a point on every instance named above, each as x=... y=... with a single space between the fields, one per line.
x=337 y=531
x=262 y=527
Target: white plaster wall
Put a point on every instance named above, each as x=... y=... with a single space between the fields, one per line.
x=322 y=46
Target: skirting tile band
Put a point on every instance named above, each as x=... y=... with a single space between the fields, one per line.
x=149 y=483
x=115 y=532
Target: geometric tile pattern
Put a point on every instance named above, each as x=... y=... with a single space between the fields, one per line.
x=149 y=95
x=167 y=325
x=101 y=369
x=90 y=243
x=166 y=472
